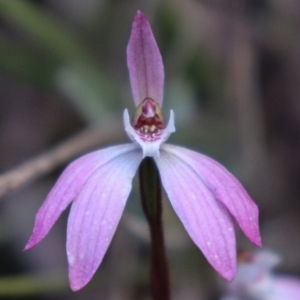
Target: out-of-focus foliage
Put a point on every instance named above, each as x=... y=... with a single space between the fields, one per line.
x=232 y=77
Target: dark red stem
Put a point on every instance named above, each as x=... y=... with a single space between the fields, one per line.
x=151 y=196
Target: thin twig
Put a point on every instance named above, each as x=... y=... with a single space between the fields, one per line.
x=85 y=140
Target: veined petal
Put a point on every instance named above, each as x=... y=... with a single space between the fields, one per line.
x=68 y=186
x=95 y=214
x=225 y=188
x=150 y=148
x=144 y=62
x=206 y=220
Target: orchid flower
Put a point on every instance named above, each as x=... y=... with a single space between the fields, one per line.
x=255 y=279
x=203 y=193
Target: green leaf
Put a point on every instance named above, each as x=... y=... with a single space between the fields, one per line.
x=47 y=31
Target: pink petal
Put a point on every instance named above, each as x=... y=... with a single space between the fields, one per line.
x=68 y=187
x=206 y=220
x=255 y=280
x=95 y=214
x=225 y=188
x=144 y=62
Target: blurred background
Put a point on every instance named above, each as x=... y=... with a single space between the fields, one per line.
x=232 y=73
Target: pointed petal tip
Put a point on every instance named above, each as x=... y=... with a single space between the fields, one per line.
x=140 y=16
x=28 y=246
x=258 y=242
x=253 y=234
x=140 y=20
x=76 y=286
x=77 y=283
x=228 y=275
x=77 y=277
x=33 y=240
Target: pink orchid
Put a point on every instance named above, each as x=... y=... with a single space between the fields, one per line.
x=255 y=279
x=202 y=192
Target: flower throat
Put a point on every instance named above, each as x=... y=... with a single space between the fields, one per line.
x=148 y=120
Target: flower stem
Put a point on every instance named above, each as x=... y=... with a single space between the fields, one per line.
x=151 y=196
